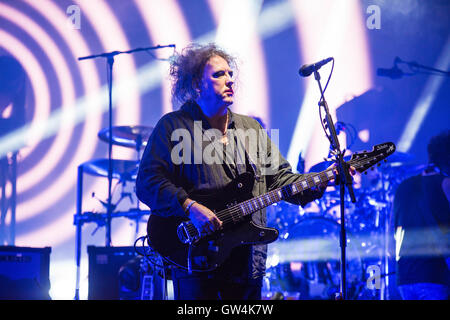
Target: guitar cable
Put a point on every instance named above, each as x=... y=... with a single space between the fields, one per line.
x=152 y=262
x=189 y=262
x=163 y=258
x=145 y=254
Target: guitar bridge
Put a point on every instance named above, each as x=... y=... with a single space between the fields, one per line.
x=187 y=233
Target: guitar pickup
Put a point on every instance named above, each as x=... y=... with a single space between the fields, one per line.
x=185 y=232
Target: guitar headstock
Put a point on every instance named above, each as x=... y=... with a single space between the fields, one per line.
x=362 y=161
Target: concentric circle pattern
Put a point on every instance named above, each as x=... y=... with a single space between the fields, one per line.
x=66 y=102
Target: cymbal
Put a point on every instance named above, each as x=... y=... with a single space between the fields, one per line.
x=404 y=169
x=127 y=136
x=398 y=156
x=121 y=169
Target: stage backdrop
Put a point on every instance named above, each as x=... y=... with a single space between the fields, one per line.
x=66 y=102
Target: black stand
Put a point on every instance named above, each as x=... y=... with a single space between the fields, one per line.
x=109 y=209
x=110 y=60
x=344 y=180
x=8 y=174
x=419 y=68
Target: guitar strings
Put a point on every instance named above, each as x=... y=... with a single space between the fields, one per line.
x=237 y=208
x=227 y=214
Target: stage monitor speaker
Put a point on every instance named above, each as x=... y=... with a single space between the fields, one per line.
x=24 y=273
x=104 y=266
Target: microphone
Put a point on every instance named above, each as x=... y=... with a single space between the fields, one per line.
x=340 y=126
x=307 y=69
x=393 y=73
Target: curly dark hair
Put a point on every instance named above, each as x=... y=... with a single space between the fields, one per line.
x=186 y=69
x=439 y=149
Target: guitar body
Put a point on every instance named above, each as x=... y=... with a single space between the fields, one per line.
x=210 y=251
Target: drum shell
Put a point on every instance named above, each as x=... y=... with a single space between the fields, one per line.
x=306 y=263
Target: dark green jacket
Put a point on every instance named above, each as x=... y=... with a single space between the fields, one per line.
x=167 y=174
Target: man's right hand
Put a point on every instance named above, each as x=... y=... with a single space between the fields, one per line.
x=204 y=219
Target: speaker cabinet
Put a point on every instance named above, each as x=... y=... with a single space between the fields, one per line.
x=120 y=273
x=24 y=273
x=104 y=266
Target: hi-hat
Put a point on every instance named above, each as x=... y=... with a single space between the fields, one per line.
x=402 y=169
x=121 y=169
x=398 y=156
x=127 y=136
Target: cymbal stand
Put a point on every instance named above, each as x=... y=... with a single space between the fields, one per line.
x=344 y=180
x=8 y=174
x=138 y=158
x=110 y=62
x=82 y=217
x=387 y=188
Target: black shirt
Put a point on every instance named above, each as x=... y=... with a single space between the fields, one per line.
x=163 y=185
x=422 y=211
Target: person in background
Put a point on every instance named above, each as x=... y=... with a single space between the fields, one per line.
x=422 y=219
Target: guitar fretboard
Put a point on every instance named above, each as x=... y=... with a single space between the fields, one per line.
x=235 y=213
x=245 y=208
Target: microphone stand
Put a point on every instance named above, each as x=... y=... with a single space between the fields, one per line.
x=110 y=62
x=344 y=180
x=415 y=67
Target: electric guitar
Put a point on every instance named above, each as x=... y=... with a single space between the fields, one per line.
x=179 y=241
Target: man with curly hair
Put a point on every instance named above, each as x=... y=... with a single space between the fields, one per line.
x=203 y=81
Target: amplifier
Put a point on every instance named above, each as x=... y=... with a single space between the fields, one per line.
x=24 y=273
x=104 y=266
x=120 y=273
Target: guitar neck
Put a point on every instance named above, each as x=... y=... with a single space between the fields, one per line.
x=248 y=207
x=360 y=161
x=235 y=213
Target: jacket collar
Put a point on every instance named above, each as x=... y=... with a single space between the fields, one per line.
x=194 y=110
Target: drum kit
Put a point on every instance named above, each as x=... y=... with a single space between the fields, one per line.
x=122 y=170
x=305 y=262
